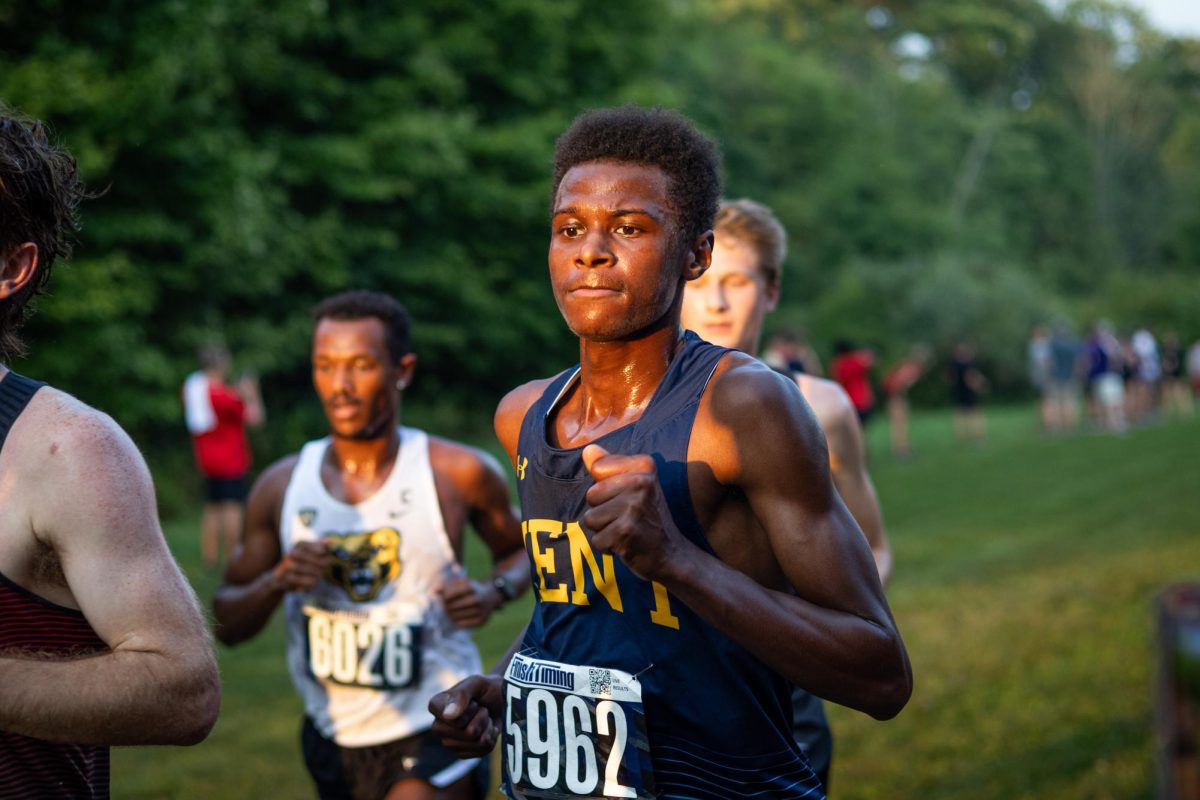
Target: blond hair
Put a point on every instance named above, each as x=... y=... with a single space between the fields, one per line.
x=757 y=227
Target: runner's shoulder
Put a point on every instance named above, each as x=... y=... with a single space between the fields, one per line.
x=272 y=482
x=465 y=464
x=829 y=401
x=744 y=387
x=60 y=436
x=518 y=400
x=510 y=413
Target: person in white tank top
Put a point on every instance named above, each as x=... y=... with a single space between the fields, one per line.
x=360 y=537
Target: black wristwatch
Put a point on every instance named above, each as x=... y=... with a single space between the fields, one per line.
x=507 y=591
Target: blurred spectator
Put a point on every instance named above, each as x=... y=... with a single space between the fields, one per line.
x=1063 y=390
x=217 y=416
x=967 y=387
x=851 y=367
x=896 y=384
x=1176 y=396
x=1147 y=376
x=1106 y=388
x=790 y=352
x=1039 y=357
x=1193 y=367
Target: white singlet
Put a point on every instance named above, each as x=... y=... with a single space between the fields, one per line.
x=371 y=643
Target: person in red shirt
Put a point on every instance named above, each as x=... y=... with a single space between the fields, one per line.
x=851 y=367
x=217 y=416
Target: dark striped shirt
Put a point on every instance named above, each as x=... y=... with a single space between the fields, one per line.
x=32 y=768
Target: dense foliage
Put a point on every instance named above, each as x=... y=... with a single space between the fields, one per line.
x=945 y=169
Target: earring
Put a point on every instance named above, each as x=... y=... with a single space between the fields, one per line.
x=401 y=384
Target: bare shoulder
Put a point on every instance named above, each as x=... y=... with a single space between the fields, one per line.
x=510 y=413
x=750 y=416
x=61 y=438
x=83 y=480
x=828 y=400
x=743 y=388
x=463 y=464
x=271 y=484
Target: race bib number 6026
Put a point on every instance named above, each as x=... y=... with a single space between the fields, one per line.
x=355 y=651
x=574 y=731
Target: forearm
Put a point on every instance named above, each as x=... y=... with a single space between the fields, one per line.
x=242 y=610
x=851 y=659
x=514 y=568
x=122 y=697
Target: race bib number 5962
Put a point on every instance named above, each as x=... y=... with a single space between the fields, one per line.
x=574 y=731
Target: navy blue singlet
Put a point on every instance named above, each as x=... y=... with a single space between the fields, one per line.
x=713 y=721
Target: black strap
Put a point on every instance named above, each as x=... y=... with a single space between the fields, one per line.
x=15 y=393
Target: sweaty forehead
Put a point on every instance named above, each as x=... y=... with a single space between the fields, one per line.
x=614 y=185
x=346 y=337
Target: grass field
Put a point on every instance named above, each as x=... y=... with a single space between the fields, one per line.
x=1026 y=571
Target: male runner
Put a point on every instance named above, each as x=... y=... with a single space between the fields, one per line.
x=726 y=306
x=360 y=534
x=101 y=639
x=691 y=555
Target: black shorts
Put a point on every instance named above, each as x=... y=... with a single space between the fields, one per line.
x=219 y=490
x=367 y=773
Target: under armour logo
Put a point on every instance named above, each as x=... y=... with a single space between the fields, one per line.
x=522 y=463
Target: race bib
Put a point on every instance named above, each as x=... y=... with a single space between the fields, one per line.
x=574 y=731
x=380 y=649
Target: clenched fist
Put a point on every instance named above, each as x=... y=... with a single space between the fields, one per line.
x=302 y=567
x=628 y=515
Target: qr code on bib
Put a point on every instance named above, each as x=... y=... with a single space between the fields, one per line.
x=600 y=681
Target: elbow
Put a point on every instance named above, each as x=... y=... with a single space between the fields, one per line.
x=225 y=627
x=193 y=718
x=891 y=699
x=195 y=728
x=225 y=634
x=893 y=689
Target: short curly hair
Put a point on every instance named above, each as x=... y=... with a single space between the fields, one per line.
x=363 y=304
x=40 y=193
x=655 y=136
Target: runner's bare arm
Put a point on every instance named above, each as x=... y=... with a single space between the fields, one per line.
x=844 y=435
x=511 y=413
x=480 y=485
x=835 y=636
x=467 y=715
x=92 y=501
x=259 y=575
x=497 y=522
